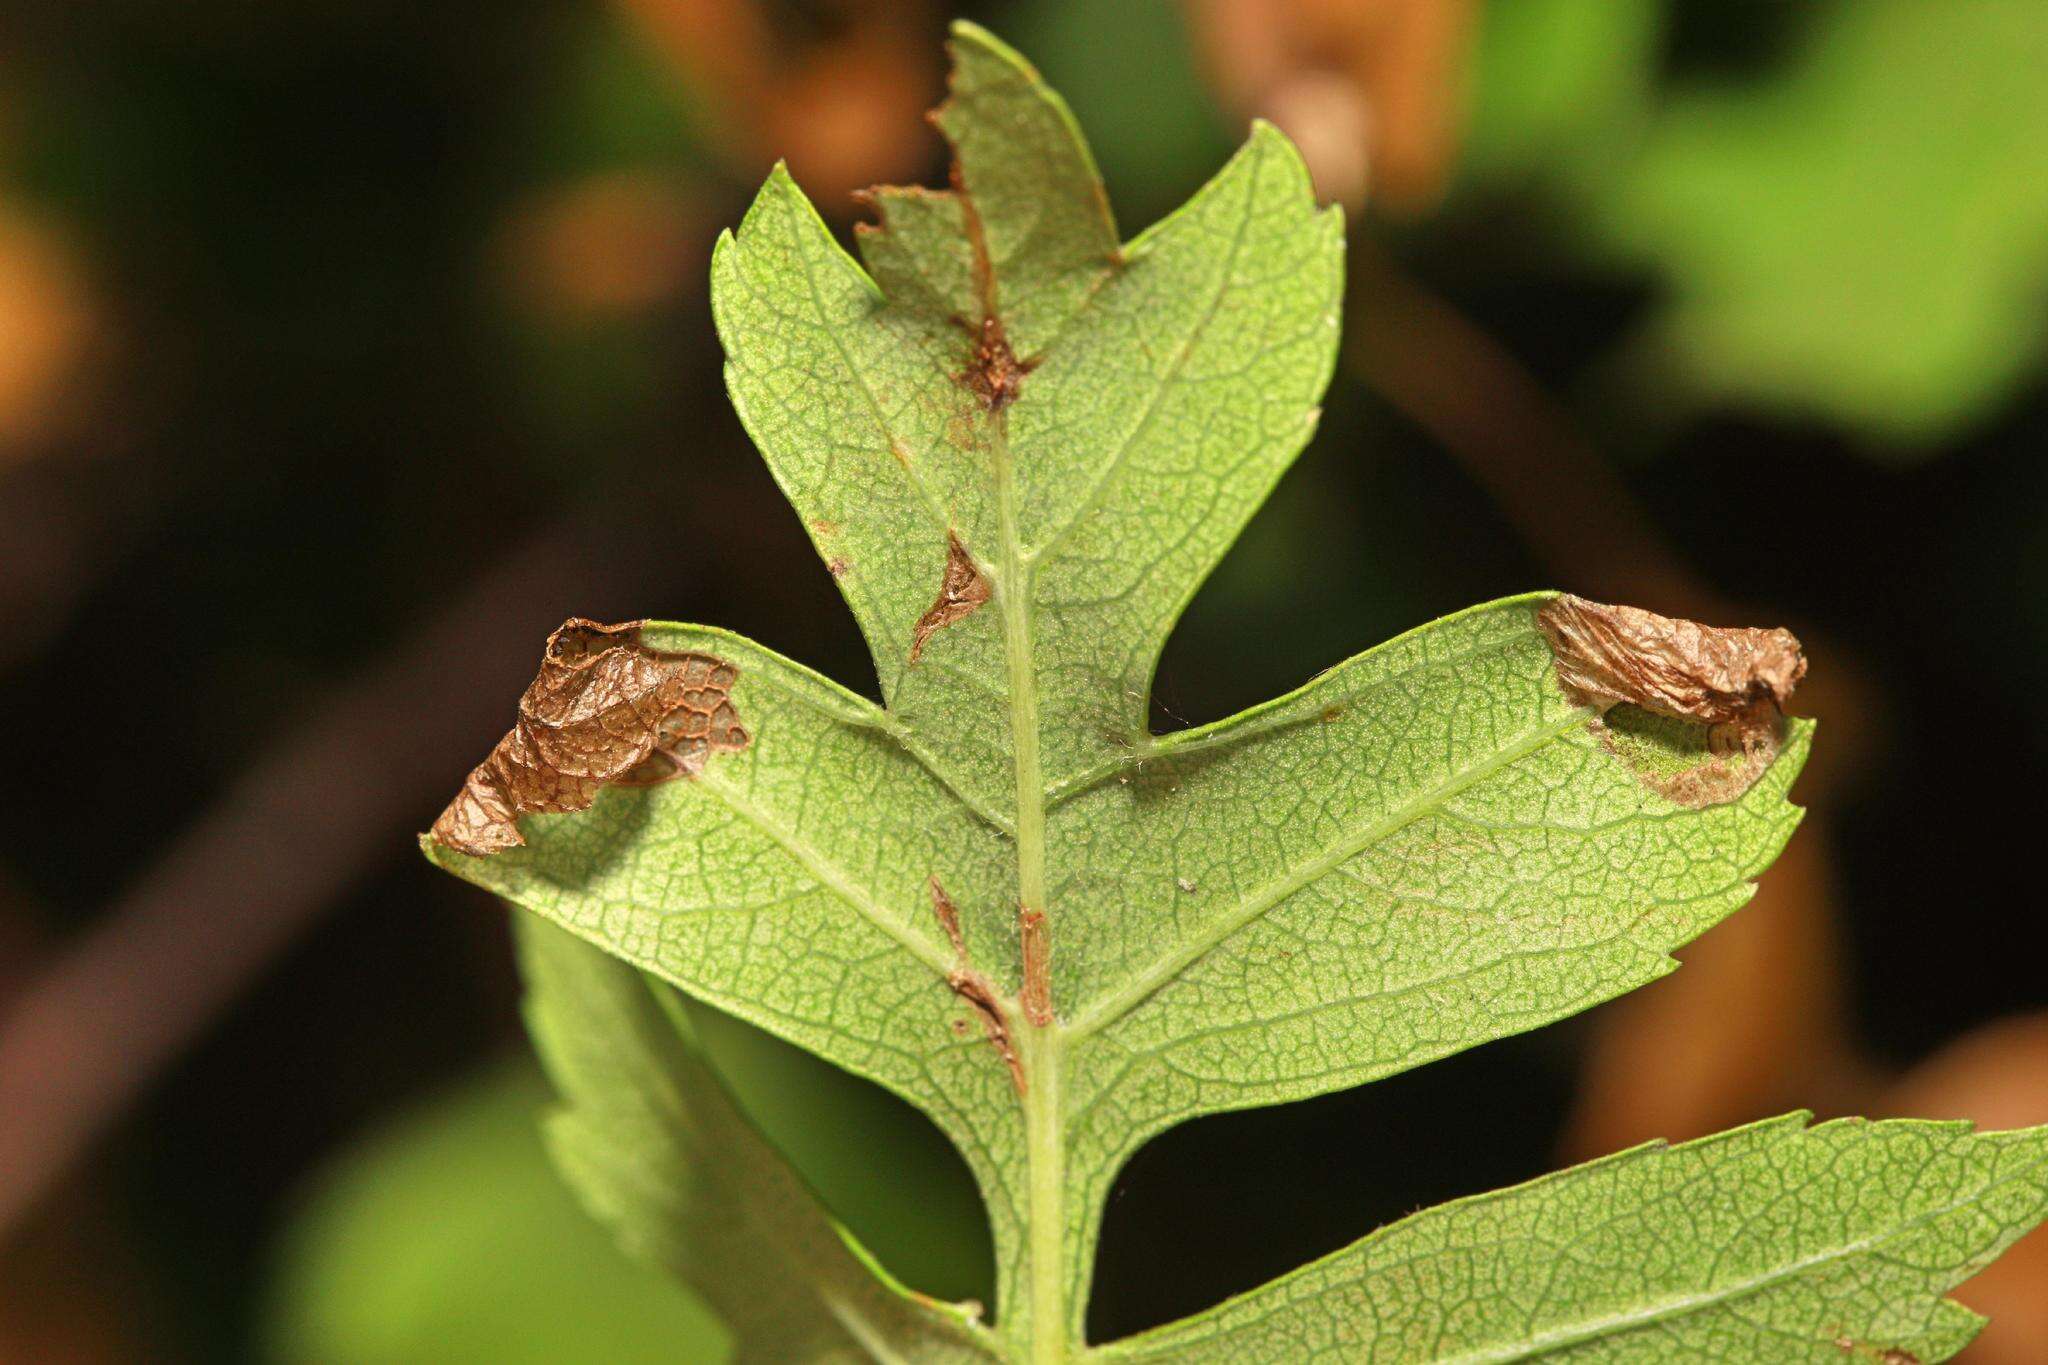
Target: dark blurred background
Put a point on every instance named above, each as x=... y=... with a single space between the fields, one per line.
x=346 y=346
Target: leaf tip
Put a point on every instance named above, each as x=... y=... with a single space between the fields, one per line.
x=965 y=34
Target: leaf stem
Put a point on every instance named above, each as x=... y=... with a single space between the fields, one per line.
x=1013 y=593
x=1043 y=1321
x=1045 y=1150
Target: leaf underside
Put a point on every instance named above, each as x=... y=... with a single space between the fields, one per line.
x=1019 y=446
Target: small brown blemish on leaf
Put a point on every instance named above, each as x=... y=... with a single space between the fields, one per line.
x=900 y=453
x=603 y=709
x=825 y=528
x=961 y=591
x=949 y=918
x=1035 y=995
x=1331 y=714
x=1185 y=885
x=837 y=566
x=994 y=374
x=1676 y=668
x=1891 y=1355
x=974 y=988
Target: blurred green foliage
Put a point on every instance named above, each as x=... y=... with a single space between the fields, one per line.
x=447 y=1236
x=1857 y=233
x=1556 y=87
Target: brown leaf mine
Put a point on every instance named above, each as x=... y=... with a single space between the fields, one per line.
x=994 y=374
x=1693 y=710
x=961 y=591
x=604 y=708
x=976 y=989
x=1687 y=762
x=1676 y=668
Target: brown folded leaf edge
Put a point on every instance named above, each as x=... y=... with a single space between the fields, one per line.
x=604 y=709
x=1696 y=711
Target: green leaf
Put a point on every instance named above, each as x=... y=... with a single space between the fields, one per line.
x=1560 y=89
x=1860 y=239
x=1773 y=1242
x=1856 y=235
x=446 y=1236
x=1019 y=448
x=656 y=1149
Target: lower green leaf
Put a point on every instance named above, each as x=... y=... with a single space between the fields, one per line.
x=655 y=1148
x=1773 y=1242
x=445 y=1235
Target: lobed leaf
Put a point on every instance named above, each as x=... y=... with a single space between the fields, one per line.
x=1019 y=447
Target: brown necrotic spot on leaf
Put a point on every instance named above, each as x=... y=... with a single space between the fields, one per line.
x=994 y=374
x=976 y=989
x=1687 y=762
x=1887 y=1355
x=1676 y=668
x=604 y=708
x=1693 y=710
x=961 y=591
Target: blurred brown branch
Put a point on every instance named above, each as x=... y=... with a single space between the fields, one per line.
x=322 y=806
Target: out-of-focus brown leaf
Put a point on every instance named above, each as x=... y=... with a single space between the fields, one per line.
x=853 y=114
x=72 y=1292
x=1371 y=90
x=722 y=49
x=605 y=246
x=1996 y=1076
x=45 y=330
x=845 y=110
x=604 y=708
